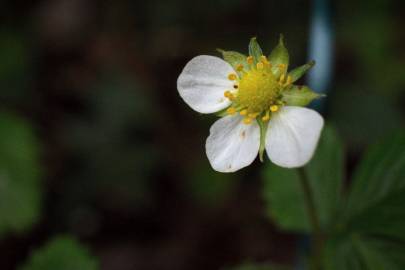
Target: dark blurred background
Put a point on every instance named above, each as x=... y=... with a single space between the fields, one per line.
x=121 y=160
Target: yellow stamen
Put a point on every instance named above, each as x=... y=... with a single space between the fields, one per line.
x=274 y=108
x=243 y=112
x=249 y=59
x=232 y=77
x=253 y=115
x=266 y=117
x=247 y=120
x=289 y=79
x=229 y=95
x=263 y=59
x=239 y=67
x=282 y=66
x=260 y=65
x=231 y=111
x=282 y=77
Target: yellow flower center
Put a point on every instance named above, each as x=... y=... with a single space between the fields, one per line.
x=257 y=92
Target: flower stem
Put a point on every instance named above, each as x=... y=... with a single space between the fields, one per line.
x=317 y=241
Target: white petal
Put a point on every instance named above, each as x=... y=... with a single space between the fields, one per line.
x=232 y=144
x=203 y=82
x=293 y=135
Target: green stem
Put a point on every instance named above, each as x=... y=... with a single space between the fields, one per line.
x=314 y=220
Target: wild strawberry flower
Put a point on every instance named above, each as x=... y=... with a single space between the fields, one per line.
x=261 y=108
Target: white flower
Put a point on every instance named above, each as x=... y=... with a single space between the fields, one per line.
x=257 y=114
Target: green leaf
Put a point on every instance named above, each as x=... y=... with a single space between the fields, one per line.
x=234 y=58
x=20 y=191
x=62 y=253
x=371 y=253
x=326 y=174
x=283 y=194
x=298 y=95
x=254 y=50
x=284 y=199
x=375 y=203
x=340 y=253
x=373 y=221
x=298 y=72
x=278 y=56
x=355 y=252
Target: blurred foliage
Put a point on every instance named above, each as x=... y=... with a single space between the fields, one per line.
x=264 y=266
x=369 y=85
x=208 y=187
x=112 y=146
x=373 y=39
x=360 y=226
x=15 y=66
x=325 y=173
x=357 y=113
x=61 y=253
x=20 y=187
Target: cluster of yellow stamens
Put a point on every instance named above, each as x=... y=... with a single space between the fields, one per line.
x=257 y=90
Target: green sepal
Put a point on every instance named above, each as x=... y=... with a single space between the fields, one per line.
x=254 y=50
x=279 y=55
x=299 y=95
x=298 y=72
x=234 y=58
x=263 y=130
